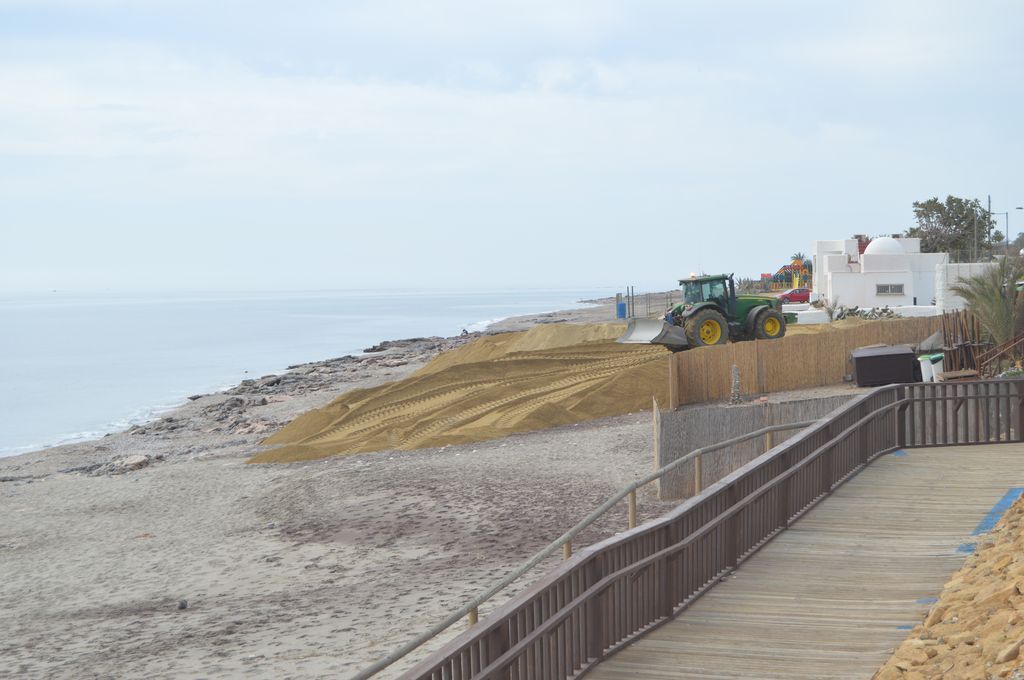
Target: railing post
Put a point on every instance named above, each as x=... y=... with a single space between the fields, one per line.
x=497 y=644
x=698 y=485
x=733 y=526
x=826 y=471
x=1020 y=409
x=783 y=503
x=567 y=550
x=474 y=616
x=632 y=509
x=901 y=418
x=668 y=595
x=596 y=611
x=862 y=443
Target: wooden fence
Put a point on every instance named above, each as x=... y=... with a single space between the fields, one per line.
x=789 y=363
x=607 y=595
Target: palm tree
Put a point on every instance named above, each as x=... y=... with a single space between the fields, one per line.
x=797 y=257
x=993 y=297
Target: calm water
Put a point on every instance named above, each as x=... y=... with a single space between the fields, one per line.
x=76 y=367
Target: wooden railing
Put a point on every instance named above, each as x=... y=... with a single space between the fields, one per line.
x=607 y=595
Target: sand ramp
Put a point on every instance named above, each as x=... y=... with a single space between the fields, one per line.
x=513 y=382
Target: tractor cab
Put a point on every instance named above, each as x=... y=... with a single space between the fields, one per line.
x=718 y=290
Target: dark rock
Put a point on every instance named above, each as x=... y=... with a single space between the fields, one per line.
x=233 y=403
x=182 y=604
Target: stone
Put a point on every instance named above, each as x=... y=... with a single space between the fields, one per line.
x=1001 y=597
x=134 y=462
x=182 y=604
x=889 y=673
x=1009 y=653
x=918 y=657
x=935 y=615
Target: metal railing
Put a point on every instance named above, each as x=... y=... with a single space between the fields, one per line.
x=564 y=542
x=606 y=595
x=989 y=360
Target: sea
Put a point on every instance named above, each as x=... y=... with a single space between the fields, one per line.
x=74 y=367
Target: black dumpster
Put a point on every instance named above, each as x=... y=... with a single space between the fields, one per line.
x=885 y=365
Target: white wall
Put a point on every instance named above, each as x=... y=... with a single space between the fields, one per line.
x=947 y=274
x=860 y=288
x=884 y=263
x=911 y=245
x=829 y=256
x=923 y=266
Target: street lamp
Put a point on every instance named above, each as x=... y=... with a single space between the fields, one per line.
x=1006 y=237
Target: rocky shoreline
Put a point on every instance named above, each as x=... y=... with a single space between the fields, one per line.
x=299 y=570
x=241 y=415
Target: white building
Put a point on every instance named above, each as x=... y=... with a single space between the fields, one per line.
x=890 y=272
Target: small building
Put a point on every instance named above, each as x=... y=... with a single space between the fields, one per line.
x=886 y=271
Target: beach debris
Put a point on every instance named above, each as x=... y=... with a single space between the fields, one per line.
x=117 y=466
x=161 y=425
x=734 y=390
x=182 y=604
x=841 y=312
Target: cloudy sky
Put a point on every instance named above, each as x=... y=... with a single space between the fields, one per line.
x=158 y=144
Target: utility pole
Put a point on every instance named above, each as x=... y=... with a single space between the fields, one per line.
x=988 y=222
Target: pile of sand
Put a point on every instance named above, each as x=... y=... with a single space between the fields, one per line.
x=976 y=628
x=547 y=376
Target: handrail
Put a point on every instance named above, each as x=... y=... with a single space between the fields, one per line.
x=668 y=562
x=990 y=355
x=636 y=567
x=559 y=542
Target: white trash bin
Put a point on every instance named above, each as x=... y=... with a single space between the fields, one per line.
x=927 y=374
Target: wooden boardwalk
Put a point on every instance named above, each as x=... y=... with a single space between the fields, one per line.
x=831 y=596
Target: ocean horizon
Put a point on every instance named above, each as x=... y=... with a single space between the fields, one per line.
x=79 y=366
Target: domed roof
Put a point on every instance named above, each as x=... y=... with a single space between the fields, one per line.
x=885 y=245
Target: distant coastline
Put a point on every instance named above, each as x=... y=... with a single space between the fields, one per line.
x=139 y=413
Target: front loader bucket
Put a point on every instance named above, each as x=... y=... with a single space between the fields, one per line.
x=655 y=332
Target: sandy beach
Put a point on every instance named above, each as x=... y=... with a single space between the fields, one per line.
x=158 y=552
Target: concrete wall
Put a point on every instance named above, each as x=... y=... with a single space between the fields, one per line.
x=690 y=427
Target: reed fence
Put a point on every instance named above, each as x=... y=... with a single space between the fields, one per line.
x=605 y=596
x=789 y=363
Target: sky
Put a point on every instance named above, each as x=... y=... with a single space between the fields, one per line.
x=252 y=145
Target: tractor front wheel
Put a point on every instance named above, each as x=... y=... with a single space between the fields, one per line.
x=707 y=327
x=770 y=325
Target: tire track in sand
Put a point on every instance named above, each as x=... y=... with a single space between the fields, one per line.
x=489 y=388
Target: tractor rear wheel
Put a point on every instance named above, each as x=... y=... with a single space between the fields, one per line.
x=706 y=327
x=769 y=325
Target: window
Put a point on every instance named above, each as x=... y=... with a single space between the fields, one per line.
x=888 y=289
x=715 y=291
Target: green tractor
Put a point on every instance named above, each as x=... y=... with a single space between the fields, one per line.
x=710 y=314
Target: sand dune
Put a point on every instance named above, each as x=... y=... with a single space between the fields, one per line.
x=513 y=382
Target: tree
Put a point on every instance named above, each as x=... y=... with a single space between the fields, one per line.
x=957 y=226
x=995 y=300
x=797 y=257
